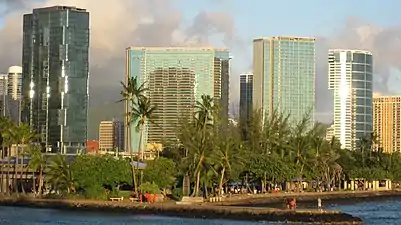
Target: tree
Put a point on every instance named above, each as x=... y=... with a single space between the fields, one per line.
x=225 y=152
x=162 y=172
x=5 y=126
x=23 y=137
x=58 y=174
x=93 y=173
x=132 y=91
x=141 y=114
x=37 y=162
x=197 y=139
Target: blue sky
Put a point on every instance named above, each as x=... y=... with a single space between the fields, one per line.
x=291 y=17
x=258 y=18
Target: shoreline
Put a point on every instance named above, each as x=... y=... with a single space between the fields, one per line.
x=305 y=197
x=204 y=211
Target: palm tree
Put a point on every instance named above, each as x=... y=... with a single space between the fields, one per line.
x=58 y=174
x=131 y=93
x=141 y=115
x=227 y=152
x=24 y=137
x=5 y=125
x=205 y=110
x=196 y=141
x=11 y=139
x=301 y=143
x=37 y=163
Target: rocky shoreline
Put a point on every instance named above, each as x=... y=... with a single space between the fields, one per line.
x=274 y=199
x=189 y=211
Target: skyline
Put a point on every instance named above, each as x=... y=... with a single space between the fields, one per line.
x=239 y=23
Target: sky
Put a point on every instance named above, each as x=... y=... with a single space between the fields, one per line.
x=373 y=25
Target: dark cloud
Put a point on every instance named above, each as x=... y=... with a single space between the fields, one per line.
x=113 y=28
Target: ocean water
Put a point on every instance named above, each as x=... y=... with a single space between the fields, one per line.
x=385 y=212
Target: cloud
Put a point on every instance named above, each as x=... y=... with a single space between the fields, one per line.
x=383 y=42
x=113 y=28
x=158 y=23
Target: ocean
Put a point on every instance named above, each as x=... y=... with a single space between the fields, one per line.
x=378 y=212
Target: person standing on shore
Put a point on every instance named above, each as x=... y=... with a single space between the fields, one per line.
x=319 y=204
x=293 y=203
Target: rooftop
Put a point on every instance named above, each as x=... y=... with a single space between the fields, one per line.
x=59 y=8
x=351 y=50
x=177 y=48
x=291 y=38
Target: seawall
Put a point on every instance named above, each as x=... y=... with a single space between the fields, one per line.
x=189 y=211
x=267 y=199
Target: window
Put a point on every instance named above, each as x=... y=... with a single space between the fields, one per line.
x=358 y=67
x=357 y=75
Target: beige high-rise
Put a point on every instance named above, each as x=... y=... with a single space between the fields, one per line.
x=106 y=135
x=387 y=122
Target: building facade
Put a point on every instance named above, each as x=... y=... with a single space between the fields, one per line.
x=106 y=136
x=92 y=146
x=55 y=76
x=119 y=134
x=350 y=77
x=387 y=122
x=14 y=84
x=245 y=100
x=176 y=78
x=3 y=84
x=10 y=97
x=284 y=76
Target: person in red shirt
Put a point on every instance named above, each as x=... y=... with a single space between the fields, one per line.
x=293 y=204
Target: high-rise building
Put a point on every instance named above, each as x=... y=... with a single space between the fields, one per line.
x=55 y=76
x=119 y=133
x=387 y=122
x=284 y=73
x=3 y=84
x=330 y=133
x=10 y=106
x=350 y=77
x=106 y=135
x=245 y=99
x=177 y=78
x=3 y=94
x=14 y=82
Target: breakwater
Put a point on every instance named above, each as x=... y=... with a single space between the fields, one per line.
x=273 y=199
x=189 y=211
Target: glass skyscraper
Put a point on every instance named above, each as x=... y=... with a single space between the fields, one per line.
x=245 y=99
x=284 y=76
x=350 y=77
x=55 y=76
x=176 y=79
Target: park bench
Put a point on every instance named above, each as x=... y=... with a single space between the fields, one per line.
x=117 y=199
x=134 y=199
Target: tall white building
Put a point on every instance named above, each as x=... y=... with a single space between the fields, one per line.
x=350 y=77
x=14 y=82
x=3 y=84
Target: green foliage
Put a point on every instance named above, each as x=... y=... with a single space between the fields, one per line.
x=177 y=194
x=58 y=174
x=161 y=171
x=96 y=191
x=94 y=171
x=149 y=187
